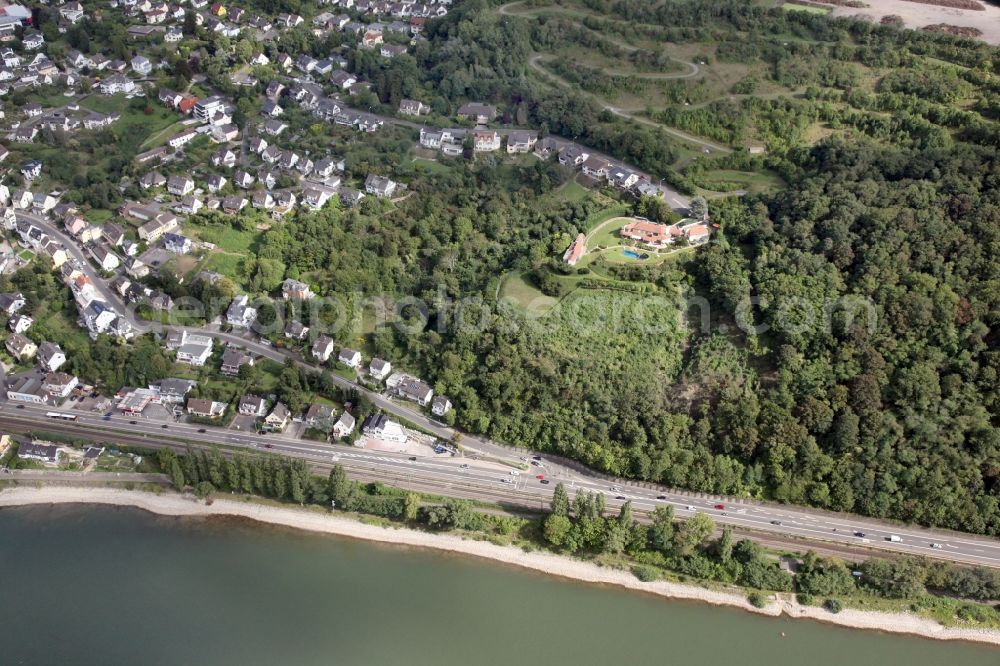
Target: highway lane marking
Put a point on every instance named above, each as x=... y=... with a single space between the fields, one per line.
x=481 y=475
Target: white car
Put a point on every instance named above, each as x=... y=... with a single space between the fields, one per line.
x=514 y=472
x=690 y=508
x=937 y=546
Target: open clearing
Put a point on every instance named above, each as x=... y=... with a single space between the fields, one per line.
x=917 y=15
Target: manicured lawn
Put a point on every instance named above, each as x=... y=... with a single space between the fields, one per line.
x=525 y=296
x=605 y=214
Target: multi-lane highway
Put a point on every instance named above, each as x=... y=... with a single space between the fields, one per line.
x=491 y=481
x=468 y=477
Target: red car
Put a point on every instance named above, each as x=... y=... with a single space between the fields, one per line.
x=720 y=506
x=269 y=446
x=540 y=477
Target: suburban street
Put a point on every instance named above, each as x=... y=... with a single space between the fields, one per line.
x=489 y=481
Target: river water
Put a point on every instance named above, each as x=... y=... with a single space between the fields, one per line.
x=104 y=586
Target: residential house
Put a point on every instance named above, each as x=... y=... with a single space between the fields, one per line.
x=105 y=258
x=20 y=323
x=379 y=186
x=161 y=224
x=252 y=405
x=572 y=155
x=343 y=427
x=392 y=50
x=350 y=357
x=224 y=157
x=440 y=406
x=521 y=141
x=295 y=290
x=182 y=138
x=380 y=427
x=10 y=303
x=135 y=268
x=233 y=359
x=595 y=167
x=31 y=170
x=322 y=348
x=141 y=65
x=59 y=384
x=278 y=419
x=173 y=390
x=379 y=369
x=233 y=204
x=484 y=141
x=50 y=356
x=152 y=180
x=650 y=233
x=208 y=409
x=20 y=347
x=240 y=314
x=416 y=390
x=342 y=79
x=113 y=234
x=319 y=417
x=576 y=250
x=176 y=243
x=622 y=177
x=295 y=330
x=216 y=182
x=180 y=186
x=192 y=348
x=116 y=84
x=479 y=113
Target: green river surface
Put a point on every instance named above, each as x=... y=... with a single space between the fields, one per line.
x=104 y=586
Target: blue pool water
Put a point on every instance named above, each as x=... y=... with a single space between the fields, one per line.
x=631 y=254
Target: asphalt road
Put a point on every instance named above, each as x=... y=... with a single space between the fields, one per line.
x=468 y=477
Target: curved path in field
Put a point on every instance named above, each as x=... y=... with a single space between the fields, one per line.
x=535 y=62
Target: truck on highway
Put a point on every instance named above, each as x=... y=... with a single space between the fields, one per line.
x=893 y=538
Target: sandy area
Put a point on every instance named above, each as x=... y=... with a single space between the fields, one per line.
x=916 y=15
x=176 y=505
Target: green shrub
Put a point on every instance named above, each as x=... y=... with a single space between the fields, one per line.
x=757 y=600
x=833 y=605
x=645 y=573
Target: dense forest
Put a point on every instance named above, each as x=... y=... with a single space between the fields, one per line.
x=892 y=420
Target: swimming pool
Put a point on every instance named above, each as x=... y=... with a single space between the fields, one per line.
x=631 y=254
